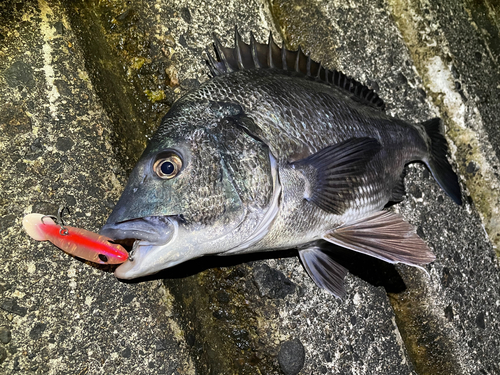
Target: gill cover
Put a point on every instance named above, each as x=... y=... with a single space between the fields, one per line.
x=217 y=199
x=202 y=187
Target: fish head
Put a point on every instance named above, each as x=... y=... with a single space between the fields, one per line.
x=202 y=186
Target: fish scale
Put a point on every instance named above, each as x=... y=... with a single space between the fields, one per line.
x=277 y=152
x=282 y=94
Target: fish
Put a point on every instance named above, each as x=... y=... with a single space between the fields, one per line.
x=78 y=242
x=275 y=152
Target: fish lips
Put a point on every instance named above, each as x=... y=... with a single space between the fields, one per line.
x=153 y=230
x=150 y=235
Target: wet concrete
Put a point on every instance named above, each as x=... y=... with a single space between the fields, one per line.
x=83 y=84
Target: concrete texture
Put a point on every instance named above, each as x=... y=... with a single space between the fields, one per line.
x=64 y=316
x=81 y=87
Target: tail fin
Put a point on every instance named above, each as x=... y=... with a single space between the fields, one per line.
x=438 y=163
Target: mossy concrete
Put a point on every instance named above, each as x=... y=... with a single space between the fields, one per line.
x=82 y=85
x=66 y=316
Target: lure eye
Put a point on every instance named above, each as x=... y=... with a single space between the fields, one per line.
x=168 y=167
x=103 y=258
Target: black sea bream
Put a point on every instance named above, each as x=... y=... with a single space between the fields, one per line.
x=276 y=152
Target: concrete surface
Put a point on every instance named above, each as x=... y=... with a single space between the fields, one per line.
x=81 y=87
x=61 y=315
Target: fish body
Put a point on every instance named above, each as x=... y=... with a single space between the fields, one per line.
x=75 y=241
x=276 y=152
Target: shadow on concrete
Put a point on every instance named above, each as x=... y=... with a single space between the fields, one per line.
x=369 y=269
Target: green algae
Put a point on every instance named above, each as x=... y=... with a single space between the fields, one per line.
x=122 y=68
x=220 y=326
x=425 y=339
x=155 y=96
x=138 y=62
x=431 y=56
x=224 y=322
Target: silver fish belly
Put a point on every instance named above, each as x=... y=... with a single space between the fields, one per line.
x=276 y=152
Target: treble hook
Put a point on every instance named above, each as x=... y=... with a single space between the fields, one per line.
x=63 y=231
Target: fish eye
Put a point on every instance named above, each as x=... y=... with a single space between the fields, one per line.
x=103 y=258
x=167 y=166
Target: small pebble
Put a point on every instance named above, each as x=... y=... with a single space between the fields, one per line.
x=291 y=357
x=5 y=335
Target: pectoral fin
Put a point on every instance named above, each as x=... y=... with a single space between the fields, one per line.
x=335 y=172
x=386 y=236
x=324 y=271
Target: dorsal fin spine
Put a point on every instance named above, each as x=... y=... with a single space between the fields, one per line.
x=212 y=64
x=323 y=74
x=363 y=91
x=297 y=60
x=276 y=53
x=256 y=56
x=237 y=43
x=253 y=49
x=222 y=56
x=283 y=56
x=270 y=62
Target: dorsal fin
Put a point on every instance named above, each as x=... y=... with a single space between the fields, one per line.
x=262 y=56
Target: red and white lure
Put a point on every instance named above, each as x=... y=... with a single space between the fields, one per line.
x=78 y=242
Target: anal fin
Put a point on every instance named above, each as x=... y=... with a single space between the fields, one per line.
x=324 y=271
x=383 y=235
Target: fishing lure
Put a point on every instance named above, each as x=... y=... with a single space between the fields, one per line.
x=78 y=242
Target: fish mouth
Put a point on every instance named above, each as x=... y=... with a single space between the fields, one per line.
x=153 y=230
x=139 y=236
